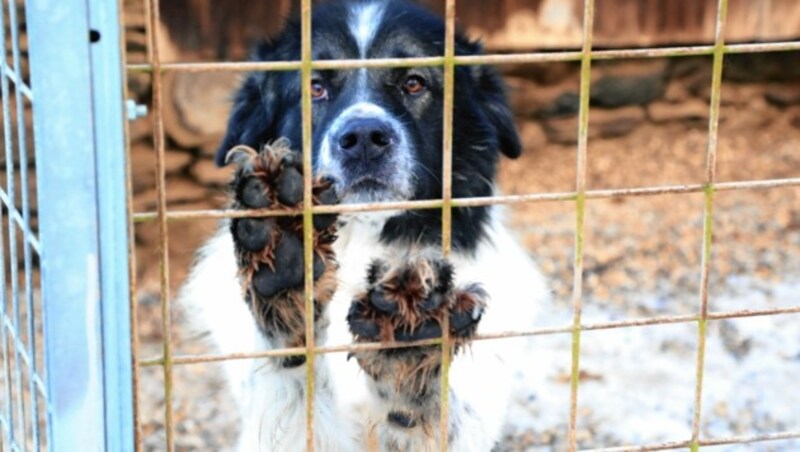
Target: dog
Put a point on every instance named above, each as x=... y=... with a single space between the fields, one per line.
x=378 y=276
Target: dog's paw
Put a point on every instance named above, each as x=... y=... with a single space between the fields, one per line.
x=270 y=250
x=410 y=302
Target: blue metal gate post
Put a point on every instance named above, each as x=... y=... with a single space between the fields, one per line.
x=78 y=129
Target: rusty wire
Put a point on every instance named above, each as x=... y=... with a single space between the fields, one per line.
x=540 y=331
x=449 y=69
x=448 y=62
x=708 y=216
x=497 y=59
x=154 y=55
x=308 y=220
x=580 y=218
x=703 y=442
x=132 y=265
x=185 y=215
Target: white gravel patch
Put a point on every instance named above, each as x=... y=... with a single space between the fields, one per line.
x=638 y=384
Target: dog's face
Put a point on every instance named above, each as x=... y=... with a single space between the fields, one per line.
x=378 y=132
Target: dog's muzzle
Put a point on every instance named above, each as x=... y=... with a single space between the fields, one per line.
x=363 y=140
x=366 y=153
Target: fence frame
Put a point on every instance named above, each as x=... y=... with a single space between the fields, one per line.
x=75 y=63
x=580 y=196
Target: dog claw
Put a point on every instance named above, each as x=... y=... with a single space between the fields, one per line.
x=240 y=155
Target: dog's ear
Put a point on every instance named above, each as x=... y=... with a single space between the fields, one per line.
x=492 y=91
x=491 y=96
x=254 y=108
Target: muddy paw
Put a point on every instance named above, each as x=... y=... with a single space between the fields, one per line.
x=270 y=250
x=410 y=302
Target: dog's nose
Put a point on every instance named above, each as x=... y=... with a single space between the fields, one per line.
x=365 y=138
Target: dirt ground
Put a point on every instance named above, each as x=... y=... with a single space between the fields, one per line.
x=642 y=258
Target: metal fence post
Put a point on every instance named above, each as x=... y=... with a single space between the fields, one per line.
x=78 y=129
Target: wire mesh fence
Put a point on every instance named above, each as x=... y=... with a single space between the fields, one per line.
x=165 y=217
x=23 y=418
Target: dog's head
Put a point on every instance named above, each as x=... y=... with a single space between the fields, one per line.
x=378 y=132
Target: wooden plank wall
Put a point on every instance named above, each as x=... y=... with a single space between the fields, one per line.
x=216 y=29
x=530 y=24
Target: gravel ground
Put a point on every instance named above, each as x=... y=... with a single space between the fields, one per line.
x=642 y=259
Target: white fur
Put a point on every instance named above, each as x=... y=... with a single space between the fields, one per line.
x=272 y=399
x=364 y=19
x=363 y=23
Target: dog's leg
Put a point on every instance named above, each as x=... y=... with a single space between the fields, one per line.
x=269 y=251
x=270 y=261
x=409 y=301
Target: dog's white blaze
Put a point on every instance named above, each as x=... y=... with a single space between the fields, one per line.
x=364 y=19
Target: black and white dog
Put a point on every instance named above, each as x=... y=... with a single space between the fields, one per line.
x=379 y=277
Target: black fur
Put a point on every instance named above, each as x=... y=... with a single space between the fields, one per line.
x=267 y=107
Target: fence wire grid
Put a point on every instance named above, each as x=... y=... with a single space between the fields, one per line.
x=24 y=411
x=580 y=195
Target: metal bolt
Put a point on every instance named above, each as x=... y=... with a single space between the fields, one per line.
x=134 y=110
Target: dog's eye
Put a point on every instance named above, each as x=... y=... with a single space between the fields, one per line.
x=414 y=84
x=318 y=90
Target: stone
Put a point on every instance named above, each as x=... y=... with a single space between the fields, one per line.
x=208 y=173
x=631 y=68
x=622 y=83
x=143 y=165
x=615 y=92
x=795 y=120
x=180 y=190
x=567 y=104
x=676 y=92
x=603 y=123
x=616 y=123
x=209 y=149
x=197 y=105
x=562 y=130
x=747 y=95
x=784 y=95
x=691 y=110
x=529 y=99
x=532 y=135
x=544 y=74
x=688 y=66
x=698 y=81
x=760 y=67
x=140 y=129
